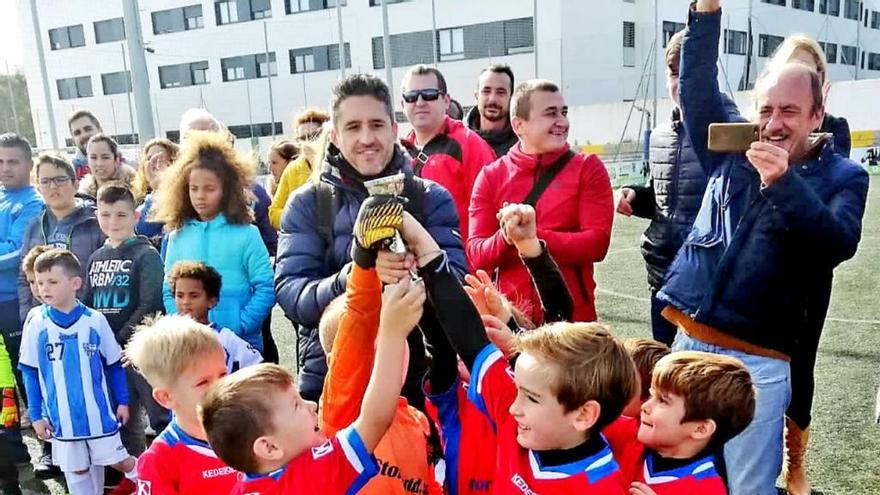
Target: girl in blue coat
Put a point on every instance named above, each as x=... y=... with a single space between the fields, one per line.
x=204 y=204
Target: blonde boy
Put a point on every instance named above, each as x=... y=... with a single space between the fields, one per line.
x=180 y=359
x=258 y=423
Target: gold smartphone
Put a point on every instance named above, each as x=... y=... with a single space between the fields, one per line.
x=733 y=137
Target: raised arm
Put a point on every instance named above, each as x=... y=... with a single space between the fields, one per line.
x=349 y=365
x=401 y=310
x=702 y=102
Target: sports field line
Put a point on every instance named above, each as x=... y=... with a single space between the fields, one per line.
x=647 y=300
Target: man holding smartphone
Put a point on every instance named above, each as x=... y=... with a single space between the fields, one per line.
x=772 y=219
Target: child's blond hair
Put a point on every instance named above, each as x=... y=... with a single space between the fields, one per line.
x=27 y=263
x=328 y=327
x=162 y=349
x=591 y=364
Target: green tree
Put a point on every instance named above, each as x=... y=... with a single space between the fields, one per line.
x=22 y=106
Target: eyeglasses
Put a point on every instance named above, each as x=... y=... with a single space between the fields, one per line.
x=429 y=94
x=57 y=181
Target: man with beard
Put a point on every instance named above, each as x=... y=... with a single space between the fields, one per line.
x=315 y=245
x=490 y=118
x=442 y=149
x=571 y=194
x=83 y=125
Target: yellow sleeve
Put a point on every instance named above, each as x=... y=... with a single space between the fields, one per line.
x=295 y=174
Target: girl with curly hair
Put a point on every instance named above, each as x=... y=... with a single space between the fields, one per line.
x=158 y=155
x=204 y=204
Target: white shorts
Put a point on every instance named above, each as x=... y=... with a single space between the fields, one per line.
x=79 y=455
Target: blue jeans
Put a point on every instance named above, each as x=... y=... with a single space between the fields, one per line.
x=754 y=457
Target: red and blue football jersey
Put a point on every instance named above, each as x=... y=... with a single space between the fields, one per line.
x=698 y=477
x=469 y=442
x=340 y=466
x=519 y=470
x=177 y=463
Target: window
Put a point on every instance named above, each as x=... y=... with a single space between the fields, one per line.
x=774 y=2
x=519 y=36
x=669 y=29
x=74 y=87
x=629 y=34
x=67 y=37
x=115 y=83
x=297 y=6
x=227 y=12
x=451 y=44
x=874 y=61
x=248 y=67
x=180 y=75
x=803 y=4
x=830 y=50
x=849 y=55
x=767 y=44
x=629 y=44
x=484 y=40
x=193 y=17
x=244 y=131
x=317 y=58
x=109 y=30
x=735 y=42
x=376 y=3
x=179 y=19
x=261 y=9
x=875 y=19
x=829 y=7
x=851 y=9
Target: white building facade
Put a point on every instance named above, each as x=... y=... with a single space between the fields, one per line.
x=213 y=53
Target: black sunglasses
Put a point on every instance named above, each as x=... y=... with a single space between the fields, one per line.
x=429 y=94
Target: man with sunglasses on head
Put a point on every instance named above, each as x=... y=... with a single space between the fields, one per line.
x=443 y=150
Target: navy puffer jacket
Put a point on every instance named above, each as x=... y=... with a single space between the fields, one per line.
x=309 y=274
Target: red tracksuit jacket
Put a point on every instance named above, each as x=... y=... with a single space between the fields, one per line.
x=574 y=218
x=453 y=158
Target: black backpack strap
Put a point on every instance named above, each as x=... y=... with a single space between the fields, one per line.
x=546 y=178
x=414 y=190
x=324 y=196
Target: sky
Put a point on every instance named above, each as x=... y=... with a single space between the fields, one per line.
x=10 y=37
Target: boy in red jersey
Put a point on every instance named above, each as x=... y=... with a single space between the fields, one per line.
x=180 y=359
x=698 y=402
x=258 y=423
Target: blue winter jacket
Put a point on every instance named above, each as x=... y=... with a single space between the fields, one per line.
x=309 y=273
x=238 y=253
x=754 y=250
x=18 y=207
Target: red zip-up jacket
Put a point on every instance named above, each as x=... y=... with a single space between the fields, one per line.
x=452 y=158
x=574 y=218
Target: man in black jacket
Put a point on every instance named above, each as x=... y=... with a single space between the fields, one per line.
x=490 y=118
x=670 y=199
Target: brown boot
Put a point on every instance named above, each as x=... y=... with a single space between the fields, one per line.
x=794 y=467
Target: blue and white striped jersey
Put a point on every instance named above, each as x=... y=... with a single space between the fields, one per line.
x=73 y=363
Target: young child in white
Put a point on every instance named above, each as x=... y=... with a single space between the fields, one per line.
x=74 y=378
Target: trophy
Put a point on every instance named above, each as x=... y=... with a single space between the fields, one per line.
x=392 y=185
